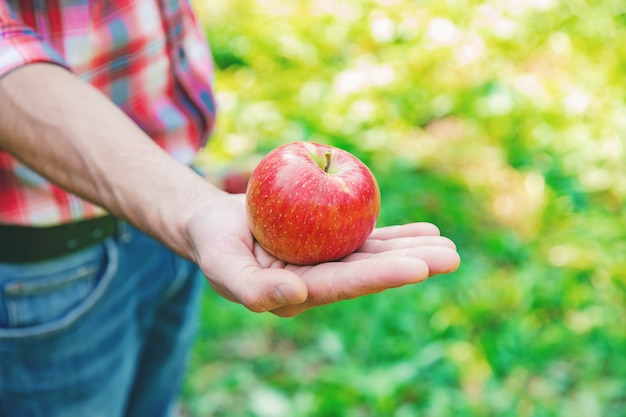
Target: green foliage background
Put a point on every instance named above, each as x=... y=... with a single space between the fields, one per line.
x=504 y=123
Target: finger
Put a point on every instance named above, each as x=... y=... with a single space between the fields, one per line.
x=262 y=290
x=267 y=289
x=376 y=246
x=337 y=281
x=439 y=259
x=406 y=230
x=240 y=278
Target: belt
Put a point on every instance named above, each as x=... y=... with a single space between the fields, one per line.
x=30 y=244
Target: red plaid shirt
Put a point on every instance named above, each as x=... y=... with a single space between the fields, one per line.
x=149 y=57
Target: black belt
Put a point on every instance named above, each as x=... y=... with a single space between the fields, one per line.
x=30 y=244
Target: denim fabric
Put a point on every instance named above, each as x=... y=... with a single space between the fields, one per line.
x=102 y=332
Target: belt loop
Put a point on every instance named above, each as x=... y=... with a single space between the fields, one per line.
x=123 y=231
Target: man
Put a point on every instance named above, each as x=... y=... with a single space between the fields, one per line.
x=103 y=224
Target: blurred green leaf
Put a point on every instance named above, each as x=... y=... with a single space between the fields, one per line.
x=504 y=123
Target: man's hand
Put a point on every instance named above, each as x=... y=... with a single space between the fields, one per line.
x=242 y=271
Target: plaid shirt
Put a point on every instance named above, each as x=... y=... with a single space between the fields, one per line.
x=149 y=57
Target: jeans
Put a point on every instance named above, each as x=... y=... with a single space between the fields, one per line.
x=105 y=331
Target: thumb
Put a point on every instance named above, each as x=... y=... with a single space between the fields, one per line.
x=267 y=289
x=256 y=288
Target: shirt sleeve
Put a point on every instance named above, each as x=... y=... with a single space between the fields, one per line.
x=20 y=44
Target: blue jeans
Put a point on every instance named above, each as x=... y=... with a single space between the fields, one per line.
x=102 y=332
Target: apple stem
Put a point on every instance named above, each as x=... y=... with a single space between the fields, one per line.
x=328 y=155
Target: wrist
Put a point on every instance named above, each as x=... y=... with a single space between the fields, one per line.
x=202 y=203
x=217 y=218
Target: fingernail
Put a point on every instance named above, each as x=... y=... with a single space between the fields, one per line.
x=285 y=294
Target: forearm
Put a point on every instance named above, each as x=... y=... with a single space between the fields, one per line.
x=73 y=135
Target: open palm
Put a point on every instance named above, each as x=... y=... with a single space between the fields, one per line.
x=239 y=269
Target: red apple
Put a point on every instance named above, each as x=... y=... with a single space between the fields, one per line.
x=309 y=203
